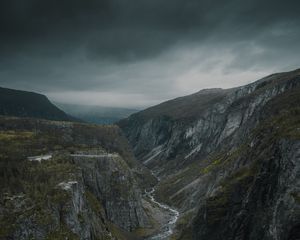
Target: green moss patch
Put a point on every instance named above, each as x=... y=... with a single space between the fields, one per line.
x=94 y=203
x=62 y=233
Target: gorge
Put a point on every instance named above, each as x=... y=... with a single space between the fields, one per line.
x=217 y=164
x=149 y=120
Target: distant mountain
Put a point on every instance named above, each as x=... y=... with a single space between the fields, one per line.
x=29 y=104
x=96 y=114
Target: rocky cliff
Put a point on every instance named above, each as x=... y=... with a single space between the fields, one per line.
x=228 y=159
x=63 y=180
x=109 y=177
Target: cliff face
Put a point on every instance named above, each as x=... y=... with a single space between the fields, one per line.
x=62 y=180
x=228 y=159
x=69 y=213
x=111 y=180
x=254 y=191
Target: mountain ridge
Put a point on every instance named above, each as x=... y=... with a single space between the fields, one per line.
x=30 y=104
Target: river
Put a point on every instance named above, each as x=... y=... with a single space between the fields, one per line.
x=167 y=230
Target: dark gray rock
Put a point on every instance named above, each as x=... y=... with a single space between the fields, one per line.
x=111 y=180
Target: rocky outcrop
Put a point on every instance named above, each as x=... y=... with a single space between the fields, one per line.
x=70 y=212
x=111 y=180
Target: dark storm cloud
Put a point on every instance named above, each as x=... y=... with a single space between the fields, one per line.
x=130 y=46
x=125 y=30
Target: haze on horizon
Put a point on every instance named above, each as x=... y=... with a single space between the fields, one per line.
x=137 y=53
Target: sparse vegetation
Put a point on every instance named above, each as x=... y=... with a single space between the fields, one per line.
x=37 y=182
x=62 y=233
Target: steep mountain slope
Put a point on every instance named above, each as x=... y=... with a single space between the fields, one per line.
x=191 y=127
x=28 y=104
x=66 y=180
x=228 y=159
x=256 y=191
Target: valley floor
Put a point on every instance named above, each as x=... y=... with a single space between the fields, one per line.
x=163 y=217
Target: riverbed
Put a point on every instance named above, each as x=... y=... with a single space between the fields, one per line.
x=167 y=230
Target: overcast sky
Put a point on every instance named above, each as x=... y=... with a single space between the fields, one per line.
x=136 y=53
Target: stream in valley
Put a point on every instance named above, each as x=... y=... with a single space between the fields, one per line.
x=167 y=229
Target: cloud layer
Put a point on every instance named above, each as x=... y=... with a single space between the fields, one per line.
x=137 y=53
